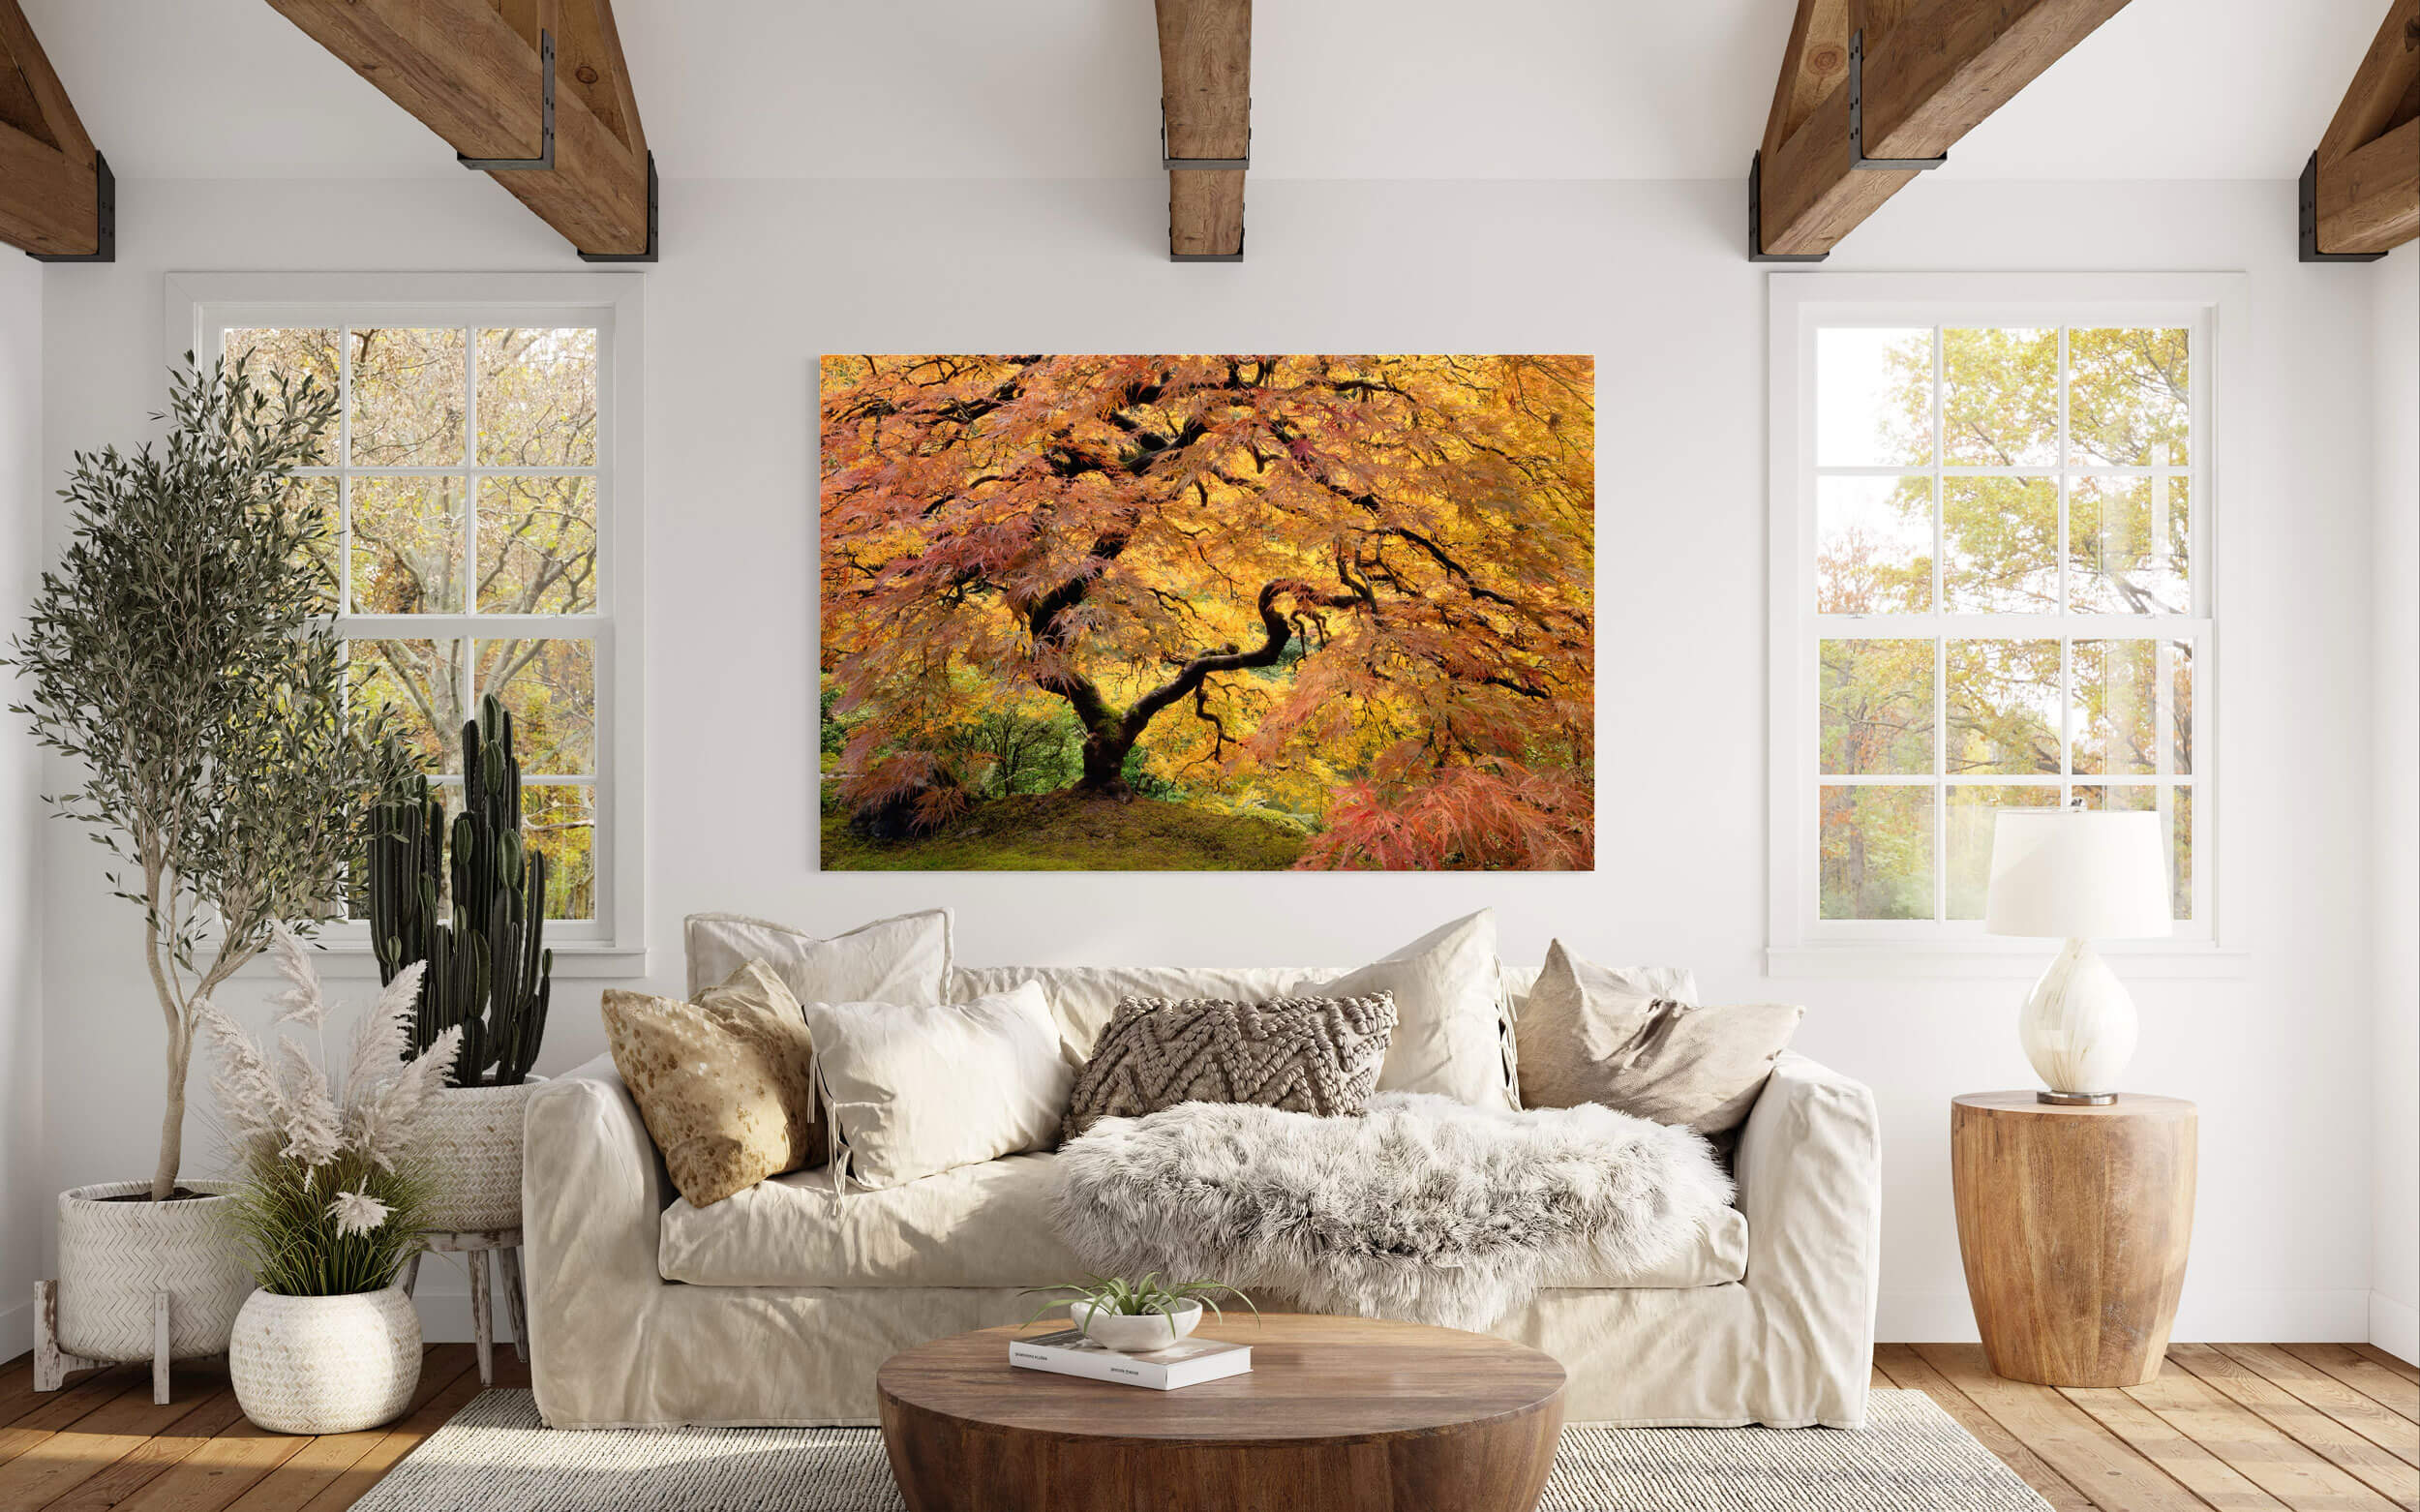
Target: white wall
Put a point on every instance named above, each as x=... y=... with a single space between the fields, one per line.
x=2395 y=1045
x=24 y=1189
x=758 y=278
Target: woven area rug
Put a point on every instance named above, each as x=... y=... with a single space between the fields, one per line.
x=497 y=1457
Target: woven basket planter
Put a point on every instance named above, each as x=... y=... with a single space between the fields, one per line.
x=114 y=1257
x=470 y=1142
x=325 y=1365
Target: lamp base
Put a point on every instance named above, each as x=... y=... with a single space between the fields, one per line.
x=2076 y=1099
x=2078 y=1028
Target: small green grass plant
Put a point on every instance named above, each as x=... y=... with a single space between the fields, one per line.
x=1119 y=1296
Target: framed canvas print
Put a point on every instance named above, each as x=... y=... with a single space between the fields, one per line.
x=1208 y=612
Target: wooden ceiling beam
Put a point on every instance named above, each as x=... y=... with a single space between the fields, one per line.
x=1206 y=105
x=1926 y=72
x=1813 y=64
x=2361 y=189
x=57 y=199
x=588 y=58
x=475 y=72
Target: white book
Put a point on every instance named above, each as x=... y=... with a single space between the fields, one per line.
x=1189 y=1362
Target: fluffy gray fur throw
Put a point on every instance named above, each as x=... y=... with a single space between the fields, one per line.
x=1422 y=1209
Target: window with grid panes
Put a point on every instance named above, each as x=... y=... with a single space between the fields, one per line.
x=2006 y=606
x=462 y=472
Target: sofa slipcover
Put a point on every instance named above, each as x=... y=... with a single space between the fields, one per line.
x=978 y=1226
x=614 y=1344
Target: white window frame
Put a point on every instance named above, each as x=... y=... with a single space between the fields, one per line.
x=1799 y=941
x=201 y=306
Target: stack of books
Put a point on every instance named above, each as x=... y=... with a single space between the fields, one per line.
x=1189 y=1362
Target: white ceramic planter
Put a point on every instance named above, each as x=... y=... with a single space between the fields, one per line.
x=470 y=1140
x=325 y=1365
x=115 y=1256
x=1130 y=1334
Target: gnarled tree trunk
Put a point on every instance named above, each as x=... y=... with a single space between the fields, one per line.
x=1110 y=735
x=1104 y=765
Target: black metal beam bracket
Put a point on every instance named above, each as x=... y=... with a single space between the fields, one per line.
x=1857 y=121
x=2308 y=200
x=1755 y=221
x=107 y=183
x=1237 y=256
x=648 y=255
x=1203 y=164
x=546 y=121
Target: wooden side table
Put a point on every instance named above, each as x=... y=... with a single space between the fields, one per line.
x=2073 y=1222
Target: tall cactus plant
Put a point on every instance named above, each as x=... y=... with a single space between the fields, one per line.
x=483 y=934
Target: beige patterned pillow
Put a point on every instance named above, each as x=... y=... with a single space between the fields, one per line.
x=1599 y=1034
x=723 y=1083
x=1309 y=1055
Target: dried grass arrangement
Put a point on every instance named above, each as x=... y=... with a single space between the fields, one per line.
x=331 y=1191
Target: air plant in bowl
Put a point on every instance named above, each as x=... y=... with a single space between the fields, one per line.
x=1136 y=1317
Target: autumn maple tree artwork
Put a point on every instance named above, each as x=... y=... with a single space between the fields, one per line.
x=1208 y=611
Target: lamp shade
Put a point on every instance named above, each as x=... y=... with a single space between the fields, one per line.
x=2073 y=875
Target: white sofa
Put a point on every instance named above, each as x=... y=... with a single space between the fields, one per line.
x=775 y=1306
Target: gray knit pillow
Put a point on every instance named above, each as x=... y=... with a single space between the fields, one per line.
x=1309 y=1055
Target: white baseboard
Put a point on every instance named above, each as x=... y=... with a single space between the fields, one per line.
x=445 y=1315
x=2395 y=1326
x=1925 y=1318
x=1903 y=1316
x=2265 y=1317
x=16 y=1329
x=444 y=1319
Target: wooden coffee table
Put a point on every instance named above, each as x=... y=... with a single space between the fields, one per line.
x=1342 y=1414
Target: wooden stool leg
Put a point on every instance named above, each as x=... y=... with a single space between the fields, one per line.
x=482 y=1321
x=515 y=1300
x=51 y=1364
x=160 y=1347
x=411 y=1270
x=50 y=1367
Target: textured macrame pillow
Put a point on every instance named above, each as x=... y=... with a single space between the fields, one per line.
x=1309 y=1055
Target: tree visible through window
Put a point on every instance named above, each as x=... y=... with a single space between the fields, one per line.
x=2007 y=608
x=463 y=471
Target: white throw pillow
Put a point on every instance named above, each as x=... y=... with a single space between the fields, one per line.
x=916 y=1089
x=904 y=959
x=1449 y=1007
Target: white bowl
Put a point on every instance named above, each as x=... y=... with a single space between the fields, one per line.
x=1135 y=1334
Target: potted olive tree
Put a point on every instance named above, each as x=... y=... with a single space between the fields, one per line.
x=468 y=901
x=179 y=657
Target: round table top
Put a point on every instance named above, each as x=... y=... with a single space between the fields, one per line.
x=2130 y=1104
x=1312 y=1378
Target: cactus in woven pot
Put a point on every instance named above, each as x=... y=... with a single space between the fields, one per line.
x=469 y=899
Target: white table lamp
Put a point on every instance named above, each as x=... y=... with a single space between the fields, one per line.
x=2073 y=875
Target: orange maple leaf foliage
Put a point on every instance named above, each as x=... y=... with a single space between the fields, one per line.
x=1356 y=586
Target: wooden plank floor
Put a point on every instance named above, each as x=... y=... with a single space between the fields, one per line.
x=2226 y=1427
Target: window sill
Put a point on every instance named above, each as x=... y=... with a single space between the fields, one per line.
x=1963 y=959
x=342 y=961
